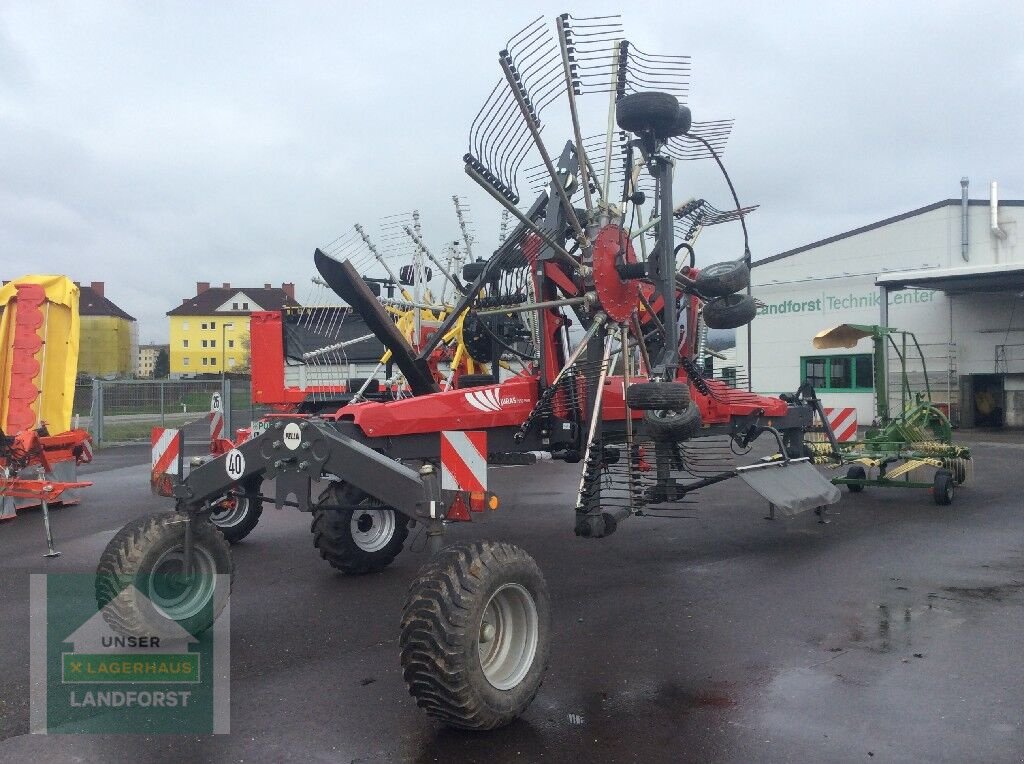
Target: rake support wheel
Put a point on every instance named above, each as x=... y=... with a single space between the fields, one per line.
x=671 y=425
x=476 y=633
x=357 y=541
x=141 y=586
x=723 y=279
x=648 y=396
x=650 y=112
x=730 y=312
x=237 y=516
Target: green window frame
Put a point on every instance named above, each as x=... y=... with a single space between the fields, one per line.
x=847 y=373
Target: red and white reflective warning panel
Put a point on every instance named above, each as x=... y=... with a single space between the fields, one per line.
x=166 y=460
x=216 y=418
x=843 y=423
x=464 y=460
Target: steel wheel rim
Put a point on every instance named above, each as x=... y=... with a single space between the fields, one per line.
x=171 y=593
x=508 y=636
x=230 y=515
x=372 y=529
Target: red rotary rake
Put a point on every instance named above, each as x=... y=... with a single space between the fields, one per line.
x=591 y=330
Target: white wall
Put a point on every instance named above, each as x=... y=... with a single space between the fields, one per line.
x=834 y=283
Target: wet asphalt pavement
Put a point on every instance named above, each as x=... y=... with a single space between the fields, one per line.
x=893 y=633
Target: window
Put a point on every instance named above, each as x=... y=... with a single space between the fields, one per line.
x=213 y=361
x=184 y=361
x=231 y=343
x=202 y=326
x=213 y=324
x=204 y=343
x=184 y=326
x=184 y=343
x=213 y=343
x=234 y=306
x=847 y=373
x=204 y=360
x=245 y=306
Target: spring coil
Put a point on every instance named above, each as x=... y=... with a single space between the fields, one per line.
x=696 y=378
x=543 y=404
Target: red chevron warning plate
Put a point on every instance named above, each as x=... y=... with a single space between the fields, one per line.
x=464 y=460
x=166 y=460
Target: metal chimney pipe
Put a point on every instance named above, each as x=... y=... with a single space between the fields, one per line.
x=993 y=208
x=963 y=218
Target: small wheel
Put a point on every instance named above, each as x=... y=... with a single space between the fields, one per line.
x=723 y=279
x=856 y=472
x=730 y=312
x=652 y=111
x=645 y=396
x=357 y=541
x=476 y=634
x=942 y=488
x=141 y=584
x=673 y=426
x=236 y=516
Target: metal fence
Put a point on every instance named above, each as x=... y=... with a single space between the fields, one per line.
x=124 y=411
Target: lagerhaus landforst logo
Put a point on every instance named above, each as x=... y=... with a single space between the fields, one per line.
x=93 y=673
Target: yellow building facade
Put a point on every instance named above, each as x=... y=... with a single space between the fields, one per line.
x=108 y=341
x=209 y=333
x=206 y=344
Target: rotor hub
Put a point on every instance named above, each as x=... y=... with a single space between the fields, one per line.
x=618 y=296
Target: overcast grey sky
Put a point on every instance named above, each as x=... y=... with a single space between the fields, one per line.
x=150 y=145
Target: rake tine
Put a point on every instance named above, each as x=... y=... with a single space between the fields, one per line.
x=531 y=123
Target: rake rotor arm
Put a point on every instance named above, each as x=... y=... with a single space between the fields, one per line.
x=531 y=122
x=344 y=280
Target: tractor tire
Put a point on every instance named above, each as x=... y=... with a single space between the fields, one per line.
x=652 y=111
x=942 y=488
x=476 y=634
x=673 y=425
x=236 y=516
x=140 y=586
x=856 y=472
x=357 y=541
x=723 y=279
x=658 y=396
x=730 y=312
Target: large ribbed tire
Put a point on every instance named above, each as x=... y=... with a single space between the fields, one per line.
x=476 y=634
x=646 y=396
x=140 y=586
x=652 y=111
x=236 y=516
x=672 y=425
x=730 y=312
x=723 y=279
x=357 y=541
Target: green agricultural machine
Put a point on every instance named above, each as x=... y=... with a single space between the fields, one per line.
x=900 y=443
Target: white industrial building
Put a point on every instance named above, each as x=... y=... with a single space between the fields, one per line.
x=951 y=272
